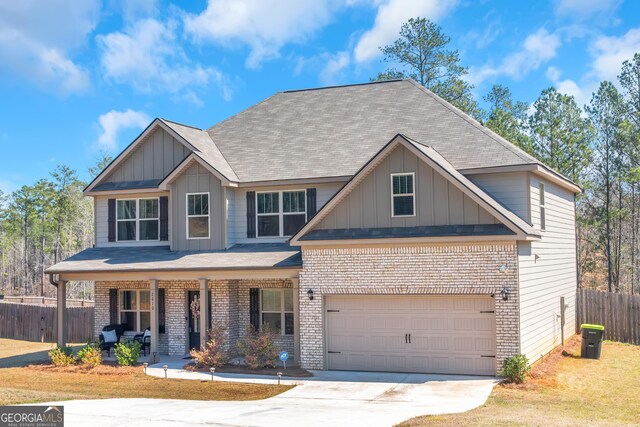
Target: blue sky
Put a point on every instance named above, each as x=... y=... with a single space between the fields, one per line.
x=78 y=77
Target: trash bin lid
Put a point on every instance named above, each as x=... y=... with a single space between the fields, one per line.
x=589 y=326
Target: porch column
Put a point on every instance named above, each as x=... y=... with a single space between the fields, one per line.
x=204 y=311
x=296 y=319
x=61 y=294
x=155 y=331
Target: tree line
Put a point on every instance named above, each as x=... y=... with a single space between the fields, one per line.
x=596 y=145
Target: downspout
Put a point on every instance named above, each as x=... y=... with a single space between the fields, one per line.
x=53 y=282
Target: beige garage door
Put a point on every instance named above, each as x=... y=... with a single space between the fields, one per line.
x=432 y=334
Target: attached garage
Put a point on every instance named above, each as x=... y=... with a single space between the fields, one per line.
x=411 y=333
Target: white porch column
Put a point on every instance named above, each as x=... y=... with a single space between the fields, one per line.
x=61 y=294
x=296 y=319
x=155 y=331
x=204 y=311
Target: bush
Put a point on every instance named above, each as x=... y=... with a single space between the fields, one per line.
x=127 y=353
x=212 y=353
x=62 y=356
x=516 y=368
x=258 y=349
x=90 y=355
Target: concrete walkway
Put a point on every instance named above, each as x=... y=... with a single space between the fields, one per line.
x=330 y=398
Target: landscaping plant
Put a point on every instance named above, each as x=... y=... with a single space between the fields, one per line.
x=212 y=354
x=258 y=349
x=516 y=368
x=62 y=356
x=90 y=355
x=127 y=353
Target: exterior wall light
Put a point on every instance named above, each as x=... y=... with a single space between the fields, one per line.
x=505 y=294
x=310 y=294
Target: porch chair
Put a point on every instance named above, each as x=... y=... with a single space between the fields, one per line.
x=107 y=341
x=145 y=340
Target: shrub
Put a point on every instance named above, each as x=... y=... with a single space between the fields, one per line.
x=516 y=368
x=62 y=356
x=212 y=353
x=127 y=353
x=90 y=355
x=258 y=349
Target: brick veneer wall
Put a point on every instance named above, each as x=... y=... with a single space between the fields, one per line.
x=419 y=270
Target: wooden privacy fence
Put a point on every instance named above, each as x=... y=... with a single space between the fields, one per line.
x=618 y=313
x=39 y=322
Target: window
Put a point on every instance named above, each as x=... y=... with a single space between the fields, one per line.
x=137 y=219
x=281 y=213
x=276 y=310
x=402 y=194
x=543 y=219
x=198 y=216
x=135 y=310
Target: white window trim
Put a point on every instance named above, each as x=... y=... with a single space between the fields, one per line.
x=137 y=310
x=187 y=216
x=543 y=205
x=280 y=212
x=412 y=194
x=137 y=219
x=282 y=311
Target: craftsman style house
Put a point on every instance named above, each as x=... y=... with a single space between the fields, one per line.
x=374 y=227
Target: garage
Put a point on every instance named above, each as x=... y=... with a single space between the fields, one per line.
x=411 y=333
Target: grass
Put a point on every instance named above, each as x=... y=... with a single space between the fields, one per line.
x=564 y=390
x=22 y=380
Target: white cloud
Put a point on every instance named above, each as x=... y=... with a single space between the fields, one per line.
x=335 y=65
x=553 y=74
x=537 y=49
x=610 y=52
x=113 y=122
x=263 y=25
x=582 y=9
x=390 y=16
x=37 y=39
x=147 y=56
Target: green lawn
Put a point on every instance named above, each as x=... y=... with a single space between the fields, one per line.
x=565 y=391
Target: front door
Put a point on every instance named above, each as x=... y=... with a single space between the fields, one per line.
x=193 y=299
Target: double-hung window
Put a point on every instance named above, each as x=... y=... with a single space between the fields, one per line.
x=276 y=310
x=135 y=310
x=543 y=216
x=197 y=215
x=280 y=213
x=403 y=197
x=137 y=219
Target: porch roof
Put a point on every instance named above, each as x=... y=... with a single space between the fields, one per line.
x=160 y=258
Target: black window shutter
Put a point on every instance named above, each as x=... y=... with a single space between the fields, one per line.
x=111 y=220
x=113 y=306
x=251 y=214
x=312 y=207
x=164 y=218
x=254 y=308
x=161 y=311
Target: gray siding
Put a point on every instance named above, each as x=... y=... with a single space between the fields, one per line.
x=154 y=158
x=196 y=179
x=238 y=213
x=509 y=189
x=101 y=216
x=551 y=276
x=438 y=202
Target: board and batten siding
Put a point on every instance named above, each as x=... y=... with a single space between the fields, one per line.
x=197 y=179
x=438 y=201
x=510 y=189
x=547 y=272
x=237 y=224
x=154 y=158
x=102 y=223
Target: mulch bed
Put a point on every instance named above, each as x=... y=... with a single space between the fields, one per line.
x=292 y=371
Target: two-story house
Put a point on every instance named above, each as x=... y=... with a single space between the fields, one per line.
x=374 y=227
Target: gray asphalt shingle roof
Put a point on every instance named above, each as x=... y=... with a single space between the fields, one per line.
x=334 y=131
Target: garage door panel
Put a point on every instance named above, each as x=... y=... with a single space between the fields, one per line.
x=449 y=334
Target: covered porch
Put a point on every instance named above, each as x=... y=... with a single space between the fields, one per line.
x=156 y=288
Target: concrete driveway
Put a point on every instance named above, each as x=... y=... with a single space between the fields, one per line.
x=330 y=398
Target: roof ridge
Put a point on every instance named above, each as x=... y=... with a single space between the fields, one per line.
x=491 y=134
x=341 y=86
x=178 y=123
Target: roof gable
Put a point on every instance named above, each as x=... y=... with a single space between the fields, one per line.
x=437 y=181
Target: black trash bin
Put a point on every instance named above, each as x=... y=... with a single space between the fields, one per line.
x=591 y=341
